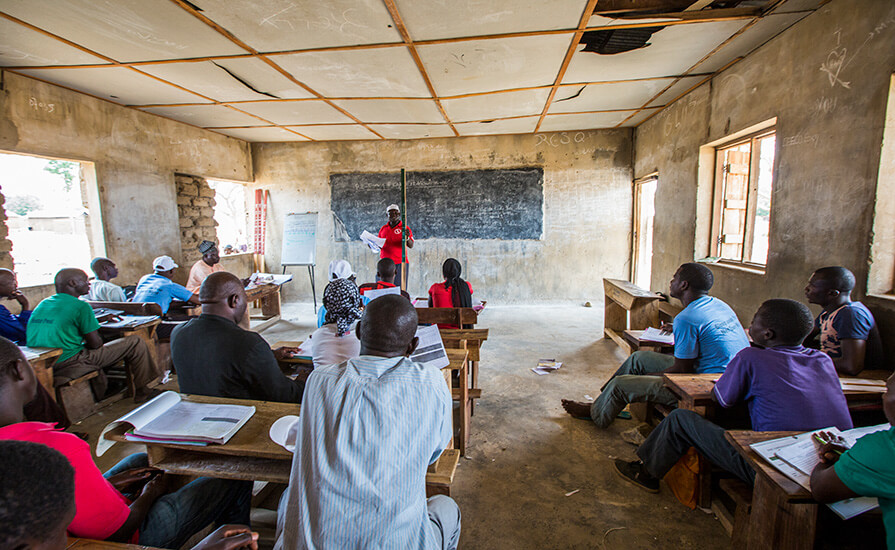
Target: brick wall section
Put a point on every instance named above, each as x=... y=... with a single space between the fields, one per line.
x=5 y=243
x=195 y=205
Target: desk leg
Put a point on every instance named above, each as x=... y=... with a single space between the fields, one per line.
x=270 y=304
x=44 y=373
x=779 y=524
x=615 y=317
x=464 y=407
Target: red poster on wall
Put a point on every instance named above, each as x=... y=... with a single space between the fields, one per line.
x=260 y=219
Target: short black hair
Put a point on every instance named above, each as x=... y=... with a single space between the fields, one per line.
x=388 y=324
x=37 y=489
x=789 y=319
x=386 y=267
x=698 y=276
x=10 y=354
x=97 y=264
x=840 y=278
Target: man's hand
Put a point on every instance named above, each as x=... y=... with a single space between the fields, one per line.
x=20 y=298
x=229 y=537
x=156 y=487
x=829 y=447
x=127 y=479
x=285 y=353
x=666 y=328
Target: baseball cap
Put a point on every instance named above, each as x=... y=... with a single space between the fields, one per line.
x=163 y=263
x=392 y=207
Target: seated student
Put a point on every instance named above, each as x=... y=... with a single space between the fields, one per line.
x=158 y=287
x=154 y=516
x=335 y=341
x=37 y=503
x=847 y=330
x=787 y=387
x=214 y=356
x=385 y=278
x=866 y=469
x=338 y=269
x=453 y=292
x=209 y=263
x=12 y=327
x=707 y=334
x=368 y=430
x=102 y=289
x=64 y=321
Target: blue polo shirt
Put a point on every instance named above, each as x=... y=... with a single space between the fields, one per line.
x=708 y=330
x=160 y=290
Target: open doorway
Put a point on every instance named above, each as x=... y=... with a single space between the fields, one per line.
x=644 y=214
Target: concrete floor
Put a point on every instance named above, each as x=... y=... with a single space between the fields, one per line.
x=526 y=453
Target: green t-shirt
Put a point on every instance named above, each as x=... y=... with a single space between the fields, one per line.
x=868 y=469
x=61 y=321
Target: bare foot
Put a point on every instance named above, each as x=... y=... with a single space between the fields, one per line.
x=577 y=408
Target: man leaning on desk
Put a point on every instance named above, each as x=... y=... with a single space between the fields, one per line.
x=214 y=356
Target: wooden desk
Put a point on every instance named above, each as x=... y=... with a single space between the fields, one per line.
x=88 y=544
x=143 y=331
x=632 y=338
x=458 y=359
x=470 y=340
x=784 y=516
x=42 y=360
x=622 y=297
x=269 y=296
x=456 y=316
x=252 y=455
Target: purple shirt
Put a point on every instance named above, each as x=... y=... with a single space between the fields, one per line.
x=786 y=388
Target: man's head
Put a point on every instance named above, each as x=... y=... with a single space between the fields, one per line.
x=37 y=496
x=104 y=269
x=164 y=266
x=692 y=277
x=388 y=327
x=394 y=214
x=8 y=282
x=386 y=270
x=18 y=385
x=830 y=284
x=209 y=252
x=222 y=294
x=781 y=322
x=72 y=281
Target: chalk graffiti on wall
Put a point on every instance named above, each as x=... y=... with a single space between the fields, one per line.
x=38 y=105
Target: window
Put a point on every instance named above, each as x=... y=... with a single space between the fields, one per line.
x=744 y=179
x=881 y=279
x=644 y=214
x=231 y=215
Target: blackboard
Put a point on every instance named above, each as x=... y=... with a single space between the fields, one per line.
x=463 y=204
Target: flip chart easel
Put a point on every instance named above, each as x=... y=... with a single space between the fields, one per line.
x=300 y=245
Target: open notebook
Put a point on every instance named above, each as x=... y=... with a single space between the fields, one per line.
x=169 y=419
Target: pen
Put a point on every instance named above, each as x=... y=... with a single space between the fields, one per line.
x=822 y=442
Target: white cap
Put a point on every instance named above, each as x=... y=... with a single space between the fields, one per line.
x=339 y=269
x=163 y=263
x=392 y=207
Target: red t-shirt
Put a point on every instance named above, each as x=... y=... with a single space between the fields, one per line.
x=441 y=297
x=392 y=247
x=378 y=285
x=101 y=509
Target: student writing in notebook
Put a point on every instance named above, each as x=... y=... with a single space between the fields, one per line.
x=453 y=292
x=131 y=502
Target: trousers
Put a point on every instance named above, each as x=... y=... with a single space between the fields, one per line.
x=137 y=360
x=633 y=382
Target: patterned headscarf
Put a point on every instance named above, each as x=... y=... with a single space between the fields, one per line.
x=342 y=302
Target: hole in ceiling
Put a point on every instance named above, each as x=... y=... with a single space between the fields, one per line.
x=243 y=82
x=190 y=4
x=571 y=96
x=114 y=96
x=613 y=41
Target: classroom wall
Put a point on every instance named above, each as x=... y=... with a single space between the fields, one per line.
x=827 y=81
x=587 y=211
x=135 y=154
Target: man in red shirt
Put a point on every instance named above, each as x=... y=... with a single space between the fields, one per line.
x=385 y=278
x=392 y=232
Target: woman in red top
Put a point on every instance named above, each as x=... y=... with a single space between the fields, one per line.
x=453 y=292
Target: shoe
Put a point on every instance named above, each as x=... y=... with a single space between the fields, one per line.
x=634 y=473
x=636 y=435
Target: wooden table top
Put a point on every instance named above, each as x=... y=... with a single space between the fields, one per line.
x=741 y=441
x=87 y=544
x=457 y=357
x=260 y=291
x=39 y=354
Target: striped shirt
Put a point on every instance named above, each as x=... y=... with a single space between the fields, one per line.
x=368 y=429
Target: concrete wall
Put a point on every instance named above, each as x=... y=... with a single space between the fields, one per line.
x=135 y=156
x=827 y=81
x=587 y=211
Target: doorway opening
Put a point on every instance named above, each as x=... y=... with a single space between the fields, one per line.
x=644 y=214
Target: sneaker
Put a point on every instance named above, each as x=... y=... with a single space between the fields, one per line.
x=636 y=474
x=636 y=435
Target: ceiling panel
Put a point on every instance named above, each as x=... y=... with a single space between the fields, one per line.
x=264 y=78
x=295 y=112
x=585 y=121
x=281 y=25
x=800 y=5
x=433 y=19
x=753 y=37
x=117 y=84
x=326 y=133
x=413 y=131
x=601 y=21
x=524 y=125
x=604 y=97
x=125 y=30
x=21 y=46
x=261 y=134
x=490 y=65
x=485 y=107
x=357 y=73
x=392 y=110
x=676 y=89
x=205 y=78
x=206 y=116
x=671 y=52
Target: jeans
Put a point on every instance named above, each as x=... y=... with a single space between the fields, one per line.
x=684 y=429
x=177 y=516
x=633 y=383
x=445 y=517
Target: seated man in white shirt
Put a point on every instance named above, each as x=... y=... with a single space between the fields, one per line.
x=368 y=430
x=102 y=289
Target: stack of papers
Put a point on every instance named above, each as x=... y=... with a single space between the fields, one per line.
x=375 y=243
x=546 y=366
x=430 y=350
x=371 y=295
x=258 y=279
x=655 y=335
x=129 y=321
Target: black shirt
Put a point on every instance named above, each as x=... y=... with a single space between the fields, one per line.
x=214 y=356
